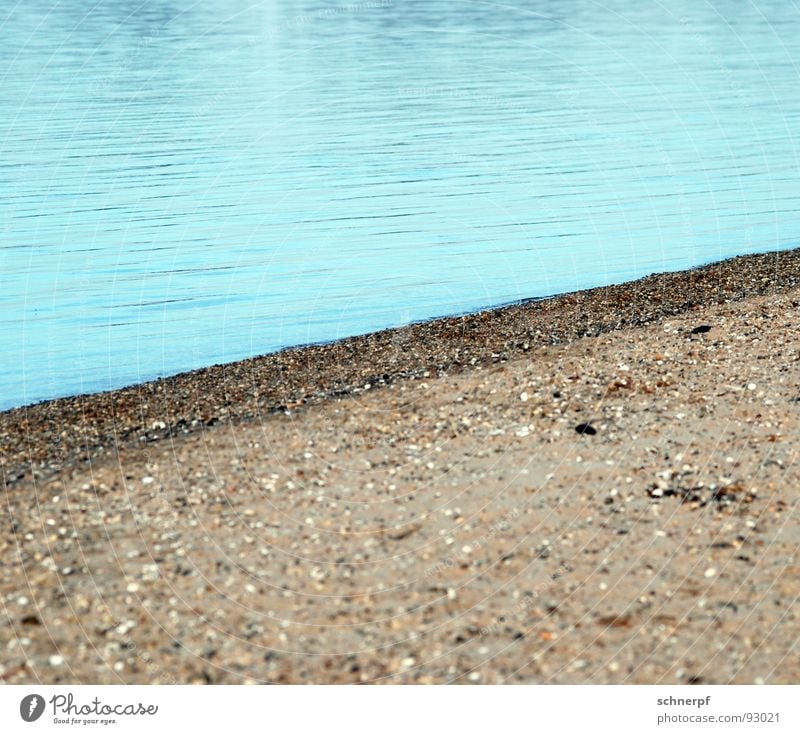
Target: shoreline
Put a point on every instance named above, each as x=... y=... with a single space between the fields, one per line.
x=60 y=432
x=460 y=527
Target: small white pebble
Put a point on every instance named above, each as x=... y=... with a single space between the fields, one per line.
x=751 y=386
x=710 y=572
x=148 y=480
x=524 y=397
x=56 y=660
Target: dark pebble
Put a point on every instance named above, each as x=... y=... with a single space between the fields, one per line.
x=702 y=329
x=586 y=428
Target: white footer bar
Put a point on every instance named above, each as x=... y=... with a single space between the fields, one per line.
x=400 y=709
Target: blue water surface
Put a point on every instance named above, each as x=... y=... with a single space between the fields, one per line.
x=187 y=183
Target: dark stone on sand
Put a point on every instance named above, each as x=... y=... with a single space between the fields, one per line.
x=702 y=329
x=586 y=428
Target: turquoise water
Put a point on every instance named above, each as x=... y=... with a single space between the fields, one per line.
x=187 y=183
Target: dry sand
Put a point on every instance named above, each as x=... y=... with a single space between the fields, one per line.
x=418 y=506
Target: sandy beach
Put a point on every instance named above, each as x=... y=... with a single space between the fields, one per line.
x=595 y=488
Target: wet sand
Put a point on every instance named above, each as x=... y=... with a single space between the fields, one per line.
x=418 y=506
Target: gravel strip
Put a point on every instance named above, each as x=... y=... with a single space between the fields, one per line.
x=41 y=439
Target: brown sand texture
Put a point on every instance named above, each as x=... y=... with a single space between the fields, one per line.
x=595 y=488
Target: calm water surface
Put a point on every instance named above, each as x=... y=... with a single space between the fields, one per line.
x=186 y=183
